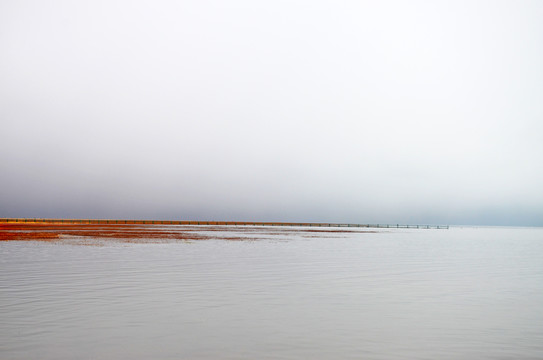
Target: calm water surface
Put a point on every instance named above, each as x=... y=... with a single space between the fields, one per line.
x=462 y=293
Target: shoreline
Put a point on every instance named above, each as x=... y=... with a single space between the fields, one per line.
x=213 y=222
x=151 y=233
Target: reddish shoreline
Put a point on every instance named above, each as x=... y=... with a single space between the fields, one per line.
x=146 y=232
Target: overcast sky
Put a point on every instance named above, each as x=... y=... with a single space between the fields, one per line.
x=340 y=111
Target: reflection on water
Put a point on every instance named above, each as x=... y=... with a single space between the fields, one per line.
x=424 y=294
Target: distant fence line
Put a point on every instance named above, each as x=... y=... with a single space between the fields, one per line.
x=227 y=223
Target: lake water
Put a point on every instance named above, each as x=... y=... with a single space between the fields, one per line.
x=461 y=293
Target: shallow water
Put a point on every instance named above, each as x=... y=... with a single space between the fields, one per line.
x=470 y=293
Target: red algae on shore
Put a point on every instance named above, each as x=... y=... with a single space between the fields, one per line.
x=50 y=232
x=94 y=233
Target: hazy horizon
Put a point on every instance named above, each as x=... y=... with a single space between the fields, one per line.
x=357 y=112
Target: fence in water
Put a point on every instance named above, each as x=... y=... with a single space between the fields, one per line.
x=226 y=223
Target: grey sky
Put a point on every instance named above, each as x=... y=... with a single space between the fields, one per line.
x=382 y=111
